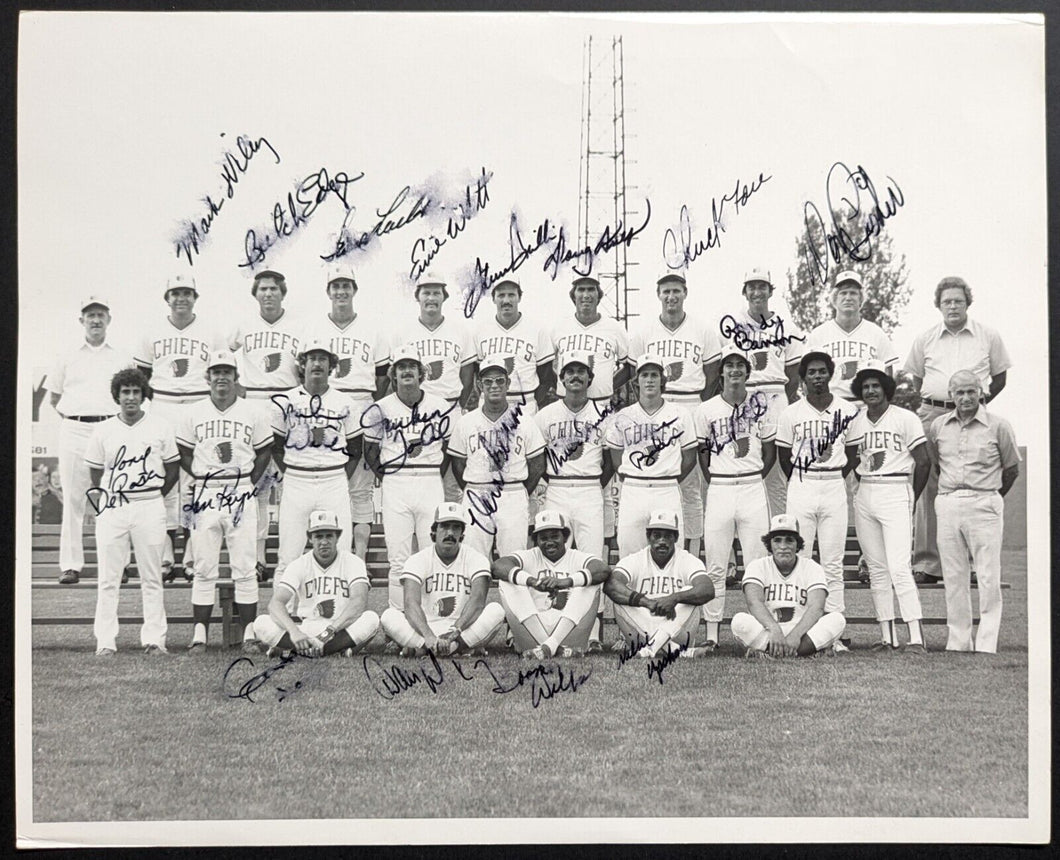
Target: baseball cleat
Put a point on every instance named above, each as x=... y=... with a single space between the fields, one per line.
x=755 y=654
x=618 y=646
x=567 y=651
x=732 y=576
x=262 y=572
x=863 y=571
x=392 y=647
x=188 y=572
x=156 y=651
x=882 y=646
x=915 y=648
x=541 y=652
x=196 y=649
x=838 y=647
x=596 y=646
x=709 y=647
x=69 y=577
x=168 y=574
x=105 y=652
x=252 y=646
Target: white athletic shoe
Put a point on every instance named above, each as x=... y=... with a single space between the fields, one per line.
x=838 y=647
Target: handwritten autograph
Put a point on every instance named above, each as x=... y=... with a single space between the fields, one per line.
x=426 y=249
x=647 y=457
x=812 y=450
x=766 y=333
x=431 y=427
x=123 y=479
x=743 y=415
x=560 y=450
x=498 y=453
x=304 y=427
x=251 y=685
x=348 y=242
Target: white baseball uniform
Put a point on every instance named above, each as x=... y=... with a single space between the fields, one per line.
x=496 y=453
x=130 y=509
x=684 y=351
x=785 y=598
x=651 y=446
x=850 y=350
x=579 y=604
x=817 y=493
x=883 y=506
x=223 y=506
x=645 y=576
x=528 y=343
x=736 y=493
x=410 y=440
x=574 y=452
x=319 y=594
x=81 y=378
x=362 y=349
x=316 y=430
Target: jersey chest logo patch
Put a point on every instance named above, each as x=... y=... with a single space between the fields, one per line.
x=180 y=367
x=318 y=436
x=326 y=608
x=224 y=452
x=850 y=369
x=742 y=447
x=674 y=371
x=444 y=607
x=759 y=360
x=825 y=452
x=784 y=613
x=874 y=461
x=509 y=365
x=576 y=452
x=558 y=599
x=343 y=370
x=414 y=450
x=271 y=362
x=434 y=369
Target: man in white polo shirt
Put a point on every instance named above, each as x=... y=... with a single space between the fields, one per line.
x=80 y=392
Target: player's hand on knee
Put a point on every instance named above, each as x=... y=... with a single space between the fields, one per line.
x=305 y=645
x=666 y=607
x=777 y=646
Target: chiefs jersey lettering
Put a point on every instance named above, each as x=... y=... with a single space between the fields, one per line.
x=522 y=350
x=182 y=347
x=448 y=581
x=601 y=347
x=237 y=431
x=278 y=340
x=325 y=586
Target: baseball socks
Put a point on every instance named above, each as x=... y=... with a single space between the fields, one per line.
x=201 y=613
x=889 y=633
x=713 y=631
x=247 y=612
x=915 y=635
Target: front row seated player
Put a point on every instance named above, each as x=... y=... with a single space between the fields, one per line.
x=444 y=591
x=785 y=595
x=330 y=586
x=658 y=592
x=550 y=594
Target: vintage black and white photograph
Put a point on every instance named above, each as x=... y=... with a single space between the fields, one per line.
x=517 y=419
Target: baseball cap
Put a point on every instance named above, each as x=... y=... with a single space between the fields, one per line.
x=323 y=520
x=496 y=361
x=181 y=282
x=221 y=358
x=90 y=300
x=676 y=277
x=649 y=359
x=585 y=279
x=575 y=356
x=662 y=519
x=406 y=353
x=550 y=520
x=338 y=270
x=848 y=276
x=269 y=273
x=510 y=282
x=728 y=350
x=449 y=512
x=758 y=274
x=316 y=344
x=431 y=279
x=872 y=367
x=782 y=524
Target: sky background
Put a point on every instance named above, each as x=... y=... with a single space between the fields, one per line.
x=119 y=147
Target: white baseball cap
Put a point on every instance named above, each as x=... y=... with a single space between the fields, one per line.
x=323 y=520
x=449 y=512
x=782 y=524
x=663 y=519
x=848 y=276
x=222 y=358
x=511 y=282
x=90 y=300
x=338 y=270
x=431 y=279
x=758 y=274
x=650 y=359
x=671 y=276
x=497 y=361
x=181 y=282
x=406 y=353
x=550 y=520
x=576 y=356
x=316 y=344
x=729 y=350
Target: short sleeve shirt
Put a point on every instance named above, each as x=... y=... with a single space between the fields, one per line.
x=323 y=592
x=496 y=450
x=972 y=456
x=445 y=588
x=651 y=443
x=786 y=596
x=938 y=353
x=885 y=446
x=850 y=350
x=649 y=579
x=605 y=340
x=734 y=434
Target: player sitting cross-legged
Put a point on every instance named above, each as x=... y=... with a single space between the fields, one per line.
x=550 y=593
x=658 y=591
x=785 y=595
x=331 y=587
x=445 y=587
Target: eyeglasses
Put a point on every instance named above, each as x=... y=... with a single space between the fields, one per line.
x=953 y=303
x=493 y=383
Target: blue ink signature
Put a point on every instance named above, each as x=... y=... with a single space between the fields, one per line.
x=561 y=450
x=749 y=336
x=432 y=427
x=844 y=237
x=658 y=664
x=349 y=243
x=659 y=442
x=743 y=414
x=426 y=249
x=301 y=434
x=813 y=449
x=681 y=257
x=631 y=647
x=121 y=481
x=486 y=503
x=249 y=687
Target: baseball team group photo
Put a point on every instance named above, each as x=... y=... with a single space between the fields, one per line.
x=400 y=491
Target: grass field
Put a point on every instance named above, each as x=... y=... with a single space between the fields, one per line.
x=861 y=734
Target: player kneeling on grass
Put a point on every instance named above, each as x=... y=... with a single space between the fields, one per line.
x=331 y=588
x=550 y=594
x=444 y=590
x=785 y=595
x=658 y=591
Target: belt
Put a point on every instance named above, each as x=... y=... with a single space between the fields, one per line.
x=651 y=483
x=966 y=491
x=742 y=478
x=221 y=477
x=944 y=404
x=181 y=393
x=406 y=468
x=315 y=469
x=507 y=485
x=822 y=474
x=88 y=419
x=890 y=478
x=560 y=480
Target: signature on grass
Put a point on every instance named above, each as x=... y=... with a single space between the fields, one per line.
x=251 y=685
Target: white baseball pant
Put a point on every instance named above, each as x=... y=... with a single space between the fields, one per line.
x=363 y=628
x=580 y=609
x=172 y=410
x=734 y=507
x=508 y=522
x=583 y=506
x=749 y=632
x=925 y=526
x=143 y=523
x=692 y=485
x=75 y=480
x=305 y=492
x=208 y=529
x=362 y=481
x=883 y=517
x=397 y=627
x=637 y=499
x=269 y=479
x=637 y=624
x=776 y=491
x=971 y=521
x=409 y=499
x=818 y=501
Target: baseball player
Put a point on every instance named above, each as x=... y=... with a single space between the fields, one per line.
x=225 y=446
x=849 y=338
x=447 y=350
x=361 y=375
x=887 y=446
x=785 y=592
x=329 y=587
x=132 y=461
x=498 y=456
x=550 y=593
x=690 y=352
x=652 y=445
x=316 y=444
x=658 y=590
x=773 y=346
x=511 y=333
x=445 y=585
x=735 y=434
x=406 y=436
x=173 y=359
x=80 y=392
x=266 y=343
x=811 y=446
